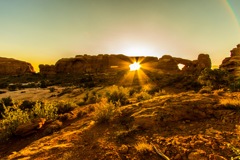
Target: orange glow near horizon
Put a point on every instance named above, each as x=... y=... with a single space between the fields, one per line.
x=136 y=74
x=135 y=66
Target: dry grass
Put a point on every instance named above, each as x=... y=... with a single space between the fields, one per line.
x=143 y=147
x=231 y=103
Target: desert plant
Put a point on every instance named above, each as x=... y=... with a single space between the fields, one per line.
x=12 y=87
x=65 y=91
x=26 y=104
x=216 y=78
x=65 y=107
x=43 y=84
x=117 y=94
x=236 y=151
x=12 y=118
x=104 y=111
x=143 y=95
x=5 y=102
x=52 y=89
x=8 y=101
x=143 y=147
x=45 y=110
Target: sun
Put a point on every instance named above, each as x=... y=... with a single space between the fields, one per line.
x=135 y=66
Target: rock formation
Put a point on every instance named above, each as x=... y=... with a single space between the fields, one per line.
x=9 y=66
x=232 y=63
x=169 y=64
x=82 y=64
x=47 y=69
x=196 y=66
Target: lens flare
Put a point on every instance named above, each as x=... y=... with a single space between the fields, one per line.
x=135 y=66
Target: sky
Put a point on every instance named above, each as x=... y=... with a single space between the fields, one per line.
x=44 y=31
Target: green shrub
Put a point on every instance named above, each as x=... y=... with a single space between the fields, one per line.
x=12 y=87
x=117 y=94
x=104 y=111
x=7 y=101
x=216 y=78
x=65 y=107
x=12 y=118
x=65 y=91
x=91 y=97
x=43 y=84
x=143 y=96
x=26 y=104
x=52 y=89
x=45 y=110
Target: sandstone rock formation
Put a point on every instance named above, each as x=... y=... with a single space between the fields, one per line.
x=169 y=64
x=196 y=66
x=9 y=66
x=82 y=64
x=232 y=63
x=47 y=69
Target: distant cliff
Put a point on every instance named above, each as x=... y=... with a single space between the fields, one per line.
x=9 y=66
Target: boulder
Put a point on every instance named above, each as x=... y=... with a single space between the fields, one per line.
x=10 y=66
x=30 y=127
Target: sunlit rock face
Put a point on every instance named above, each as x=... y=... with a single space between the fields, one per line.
x=232 y=63
x=9 y=66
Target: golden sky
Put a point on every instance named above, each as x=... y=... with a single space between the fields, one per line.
x=43 y=31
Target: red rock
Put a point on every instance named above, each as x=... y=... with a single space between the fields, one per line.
x=9 y=66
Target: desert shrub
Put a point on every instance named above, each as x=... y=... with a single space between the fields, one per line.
x=235 y=86
x=26 y=104
x=206 y=89
x=43 y=84
x=3 y=85
x=91 y=97
x=8 y=101
x=236 y=152
x=143 y=96
x=65 y=107
x=104 y=111
x=12 y=87
x=1 y=92
x=216 y=78
x=161 y=92
x=52 y=89
x=65 y=91
x=143 y=147
x=5 y=102
x=45 y=110
x=117 y=94
x=12 y=118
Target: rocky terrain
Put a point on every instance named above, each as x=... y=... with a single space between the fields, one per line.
x=184 y=126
